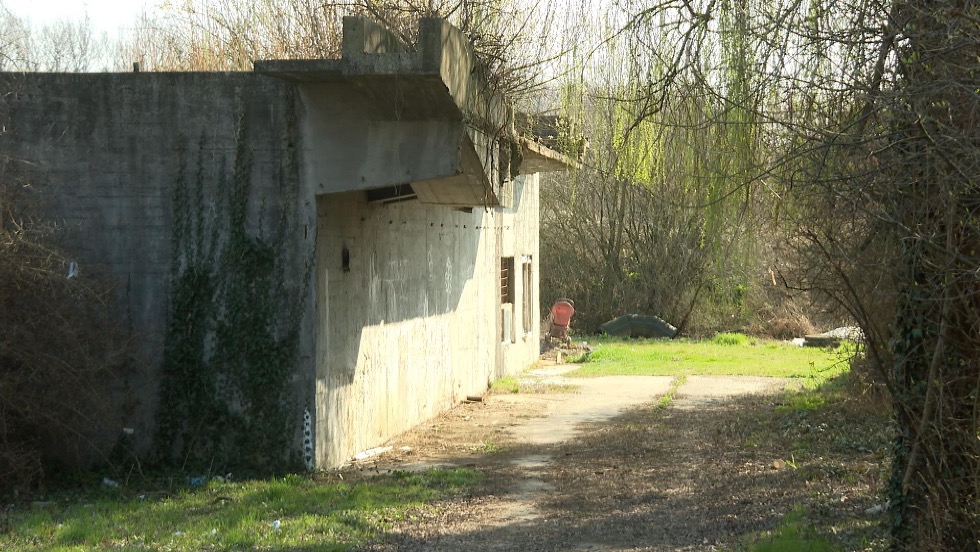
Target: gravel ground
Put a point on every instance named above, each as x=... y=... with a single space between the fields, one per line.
x=605 y=468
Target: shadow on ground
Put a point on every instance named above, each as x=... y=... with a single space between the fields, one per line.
x=706 y=478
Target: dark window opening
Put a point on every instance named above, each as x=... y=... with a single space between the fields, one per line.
x=506 y=285
x=507 y=300
x=391 y=194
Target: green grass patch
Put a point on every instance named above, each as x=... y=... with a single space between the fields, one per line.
x=668 y=397
x=730 y=339
x=802 y=402
x=506 y=384
x=285 y=513
x=792 y=534
x=488 y=447
x=730 y=355
x=510 y=384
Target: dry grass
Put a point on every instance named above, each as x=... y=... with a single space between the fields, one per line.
x=728 y=473
x=743 y=474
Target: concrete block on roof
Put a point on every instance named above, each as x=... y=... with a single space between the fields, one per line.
x=363 y=36
x=447 y=51
x=368 y=49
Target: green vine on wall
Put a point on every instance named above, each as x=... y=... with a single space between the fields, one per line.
x=233 y=330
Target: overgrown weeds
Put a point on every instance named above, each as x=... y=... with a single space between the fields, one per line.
x=61 y=353
x=668 y=397
x=730 y=338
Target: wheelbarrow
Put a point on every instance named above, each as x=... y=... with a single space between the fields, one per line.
x=561 y=315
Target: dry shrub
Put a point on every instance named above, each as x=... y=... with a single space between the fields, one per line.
x=783 y=315
x=783 y=327
x=61 y=356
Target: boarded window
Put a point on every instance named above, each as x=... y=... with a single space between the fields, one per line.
x=507 y=299
x=506 y=279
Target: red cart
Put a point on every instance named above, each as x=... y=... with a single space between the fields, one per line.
x=561 y=315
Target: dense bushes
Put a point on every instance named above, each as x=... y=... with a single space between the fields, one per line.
x=60 y=353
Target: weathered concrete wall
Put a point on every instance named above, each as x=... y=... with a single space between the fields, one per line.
x=403 y=318
x=410 y=325
x=400 y=332
x=520 y=241
x=103 y=153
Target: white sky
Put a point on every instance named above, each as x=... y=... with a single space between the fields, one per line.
x=105 y=15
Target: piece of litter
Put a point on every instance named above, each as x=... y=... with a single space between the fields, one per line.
x=276 y=525
x=214 y=532
x=106 y=482
x=178 y=533
x=370 y=452
x=879 y=509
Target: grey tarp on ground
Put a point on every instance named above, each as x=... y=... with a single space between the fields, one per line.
x=638 y=325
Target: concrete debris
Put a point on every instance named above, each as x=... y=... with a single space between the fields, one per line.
x=834 y=337
x=850 y=333
x=879 y=509
x=370 y=453
x=820 y=340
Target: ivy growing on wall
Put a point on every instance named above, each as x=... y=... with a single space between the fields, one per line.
x=233 y=329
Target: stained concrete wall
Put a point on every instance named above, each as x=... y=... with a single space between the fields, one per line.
x=411 y=325
x=103 y=152
x=520 y=240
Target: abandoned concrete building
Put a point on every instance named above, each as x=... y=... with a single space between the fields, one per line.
x=406 y=211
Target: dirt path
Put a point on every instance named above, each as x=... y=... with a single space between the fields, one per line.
x=561 y=476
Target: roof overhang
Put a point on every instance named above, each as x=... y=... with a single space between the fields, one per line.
x=539 y=158
x=439 y=79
